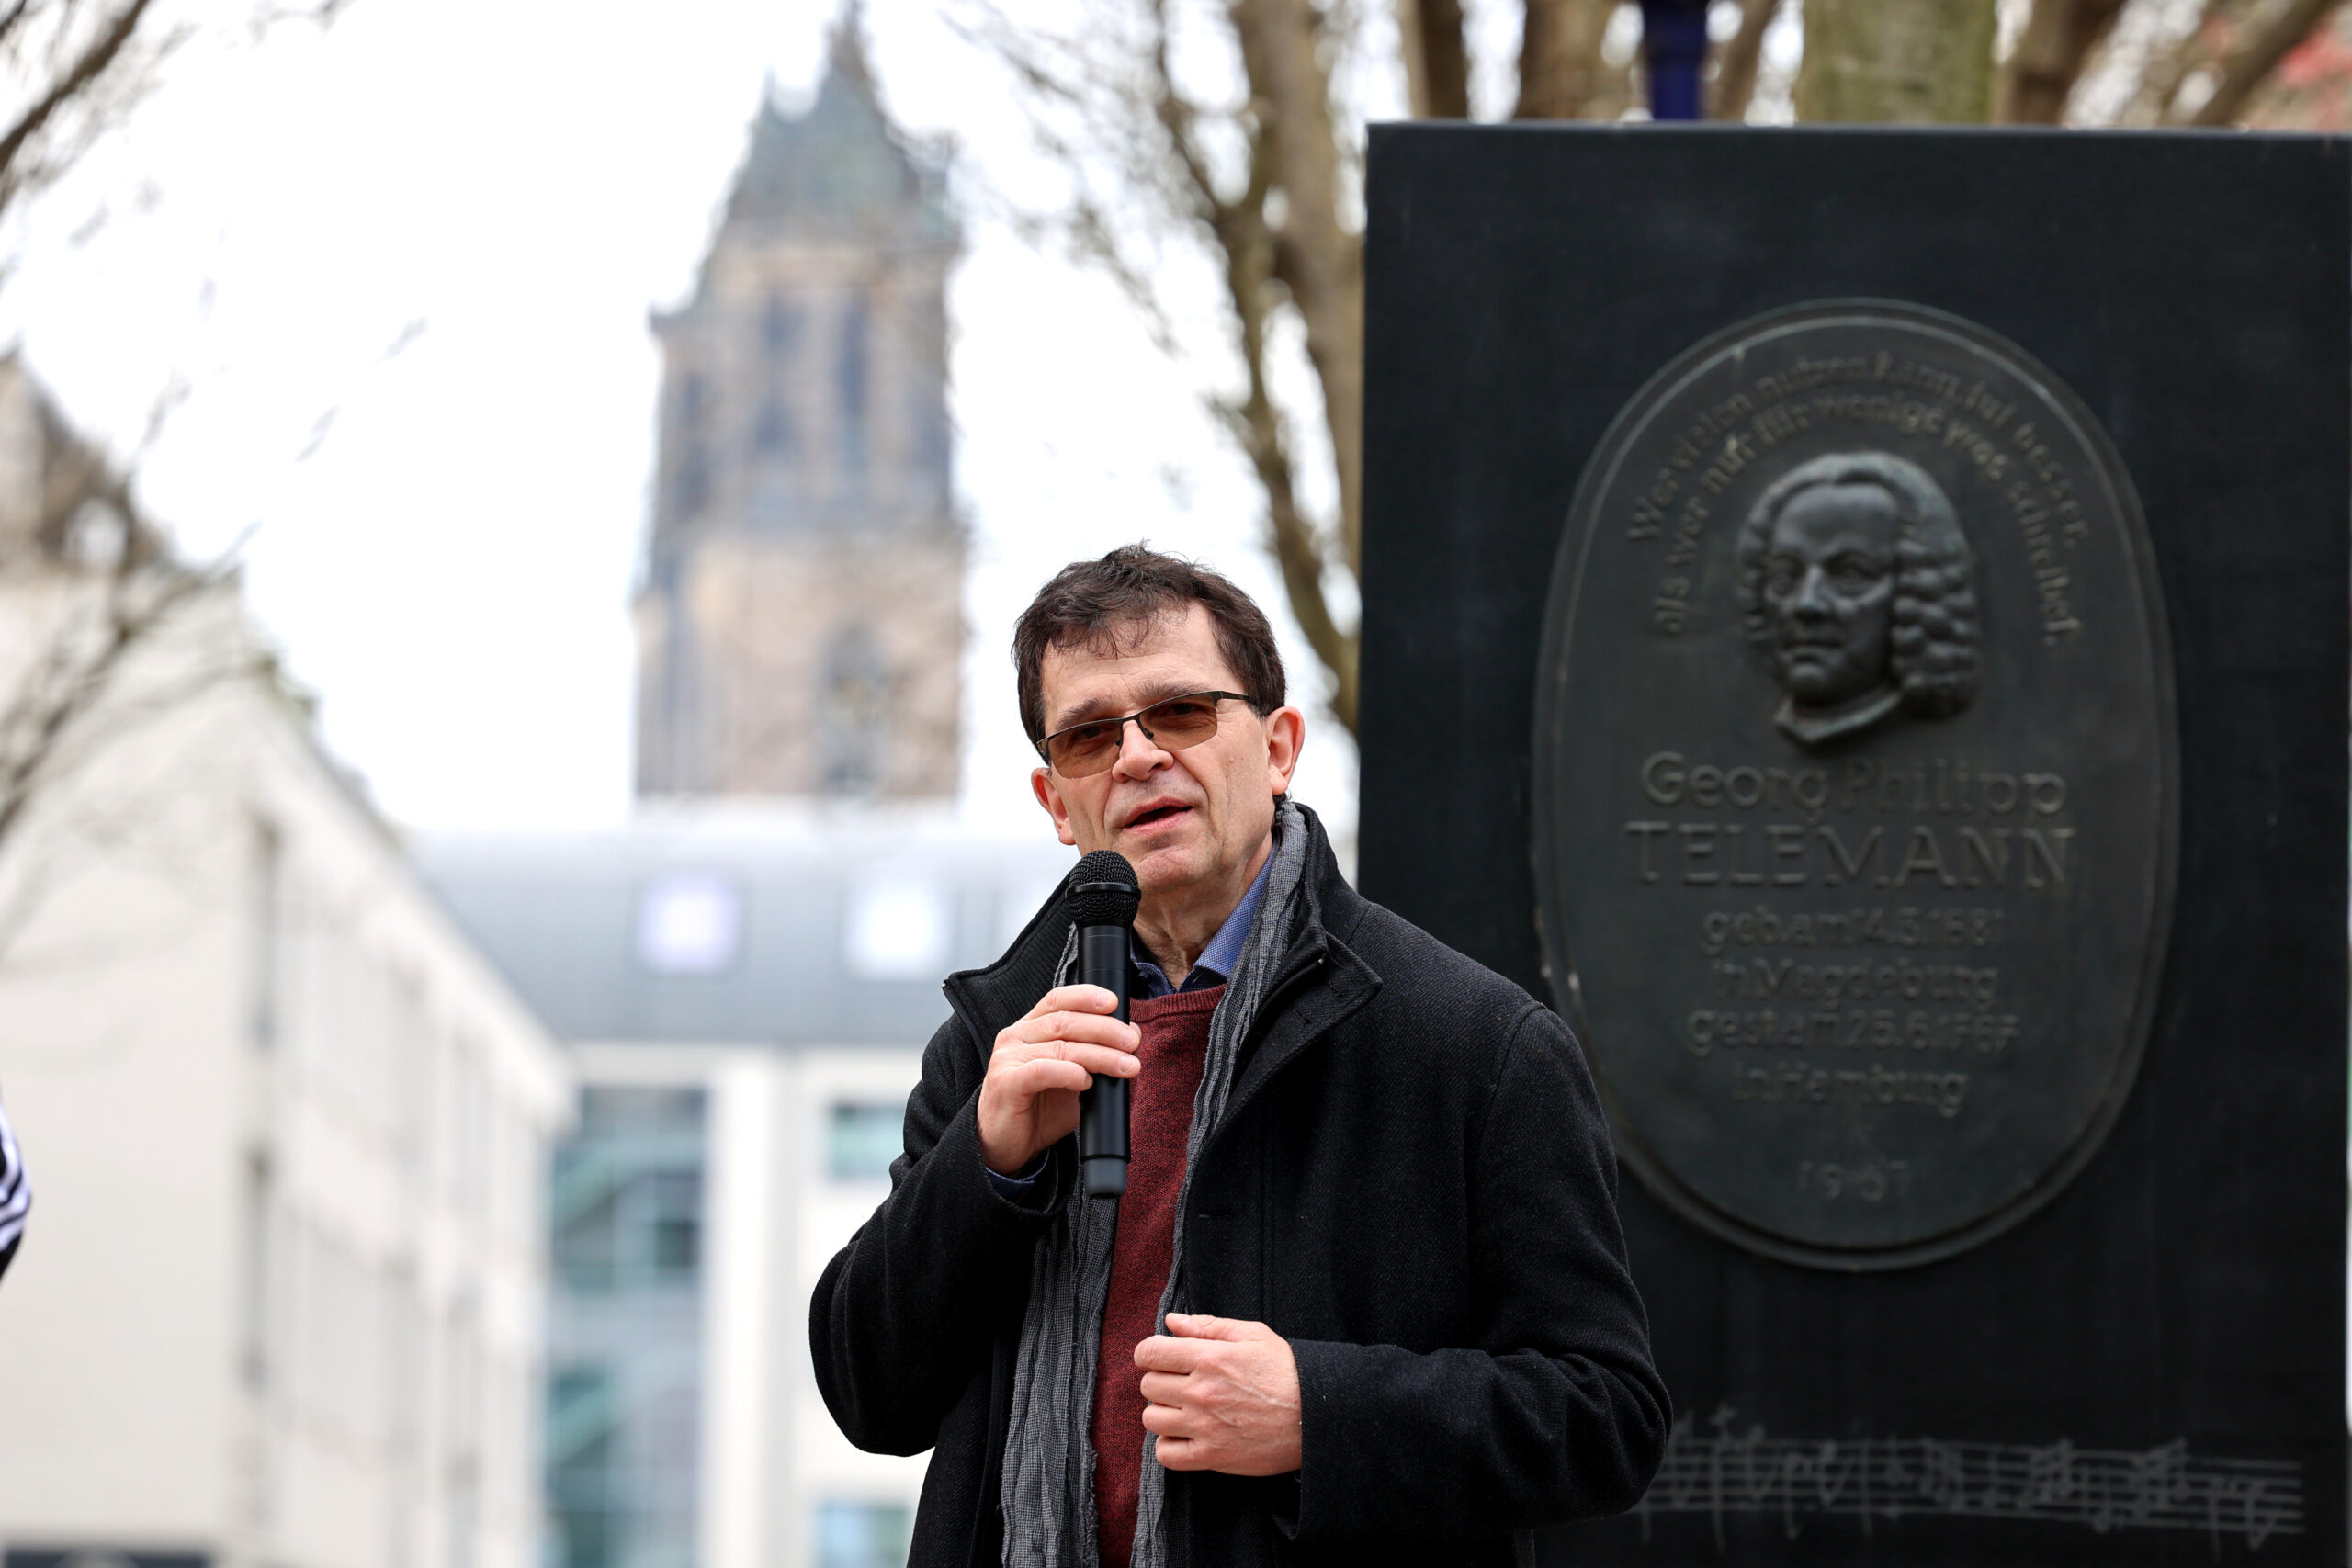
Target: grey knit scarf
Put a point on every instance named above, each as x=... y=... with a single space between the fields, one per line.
x=1049 y=1489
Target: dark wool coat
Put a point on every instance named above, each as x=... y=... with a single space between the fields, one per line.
x=1412 y=1184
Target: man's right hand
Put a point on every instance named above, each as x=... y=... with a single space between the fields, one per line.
x=1029 y=1100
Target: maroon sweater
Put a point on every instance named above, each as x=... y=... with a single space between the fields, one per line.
x=1159 y=1122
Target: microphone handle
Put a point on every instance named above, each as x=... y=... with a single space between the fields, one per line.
x=1102 y=1109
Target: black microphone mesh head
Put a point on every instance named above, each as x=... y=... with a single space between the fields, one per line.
x=1103 y=891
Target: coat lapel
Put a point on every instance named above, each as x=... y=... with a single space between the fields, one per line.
x=986 y=999
x=1337 y=984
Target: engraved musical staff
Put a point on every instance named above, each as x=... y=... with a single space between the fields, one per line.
x=1724 y=1472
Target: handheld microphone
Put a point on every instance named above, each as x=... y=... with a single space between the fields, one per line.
x=1102 y=902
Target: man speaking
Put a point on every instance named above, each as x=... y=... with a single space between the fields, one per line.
x=1364 y=1299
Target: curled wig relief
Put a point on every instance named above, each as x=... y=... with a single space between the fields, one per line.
x=1933 y=661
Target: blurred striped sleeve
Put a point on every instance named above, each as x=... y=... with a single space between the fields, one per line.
x=16 y=1193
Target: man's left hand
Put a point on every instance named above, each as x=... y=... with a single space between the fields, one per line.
x=1224 y=1396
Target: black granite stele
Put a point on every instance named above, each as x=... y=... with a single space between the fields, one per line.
x=2149 y=1366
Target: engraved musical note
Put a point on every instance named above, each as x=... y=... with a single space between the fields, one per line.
x=1731 y=1471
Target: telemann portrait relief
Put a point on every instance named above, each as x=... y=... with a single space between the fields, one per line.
x=1857 y=584
x=1898 y=752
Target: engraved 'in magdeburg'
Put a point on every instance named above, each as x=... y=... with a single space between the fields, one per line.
x=1855 y=785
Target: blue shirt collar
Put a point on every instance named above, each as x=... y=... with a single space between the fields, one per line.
x=1216 y=964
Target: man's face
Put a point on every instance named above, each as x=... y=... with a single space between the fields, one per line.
x=1182 y=819
x=1830 y=586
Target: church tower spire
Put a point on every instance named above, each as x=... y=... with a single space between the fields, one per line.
x=799 y=623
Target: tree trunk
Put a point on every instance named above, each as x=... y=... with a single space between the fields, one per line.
x=1735 y=83
x=1437 y=59
x=1561 y=74
x=1897 y=62
x=2250 y=63
x=1317 y=259
x=2056 y=42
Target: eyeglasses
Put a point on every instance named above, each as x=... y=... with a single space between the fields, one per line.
x=1171 y=724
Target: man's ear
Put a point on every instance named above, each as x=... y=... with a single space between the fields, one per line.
x=1050 y=795
x=1285 y=733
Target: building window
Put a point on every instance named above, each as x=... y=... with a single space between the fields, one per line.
x=853 y=714
x=585 y=1254
x=689 y=923
x=628 y=1193
x=615 y=1109
x=850 y=372
x=584 y=1484
x=260 y=1219
x=932 y=444
x=898 y=931
x=779 y=333
x=855 y=1534
x=925 y=389
x=270 y=932
x=622 y=1451
x=861 y=1137
x=773 y=432
x=673 y=1226
x=634 y=1230
x=692 y=476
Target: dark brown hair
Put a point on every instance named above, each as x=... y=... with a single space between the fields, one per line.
x=1107 y=604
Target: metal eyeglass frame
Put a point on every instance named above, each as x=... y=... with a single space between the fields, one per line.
x=1045 y=746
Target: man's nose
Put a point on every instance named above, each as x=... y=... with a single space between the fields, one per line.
x=1813 y=592
x=1139 y=755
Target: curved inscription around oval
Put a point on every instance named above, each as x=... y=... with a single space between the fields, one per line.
x=1855 y=783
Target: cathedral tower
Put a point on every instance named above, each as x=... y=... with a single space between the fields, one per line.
x=799 y=625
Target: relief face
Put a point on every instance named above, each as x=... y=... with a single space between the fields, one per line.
x=1855 y=808
x=1854 y=580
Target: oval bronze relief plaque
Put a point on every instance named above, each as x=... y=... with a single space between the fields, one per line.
x=1855 y=783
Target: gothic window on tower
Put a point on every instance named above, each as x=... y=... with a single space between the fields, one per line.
x=773 y=433
x=930 y=420
x=927 y=393
x=850 y=375
x=853 y=714
x=693 y=474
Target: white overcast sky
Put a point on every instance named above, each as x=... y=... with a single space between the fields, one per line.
x=501 y=189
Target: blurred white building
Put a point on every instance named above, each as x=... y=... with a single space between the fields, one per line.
x=281 y=1297
x=748 y=990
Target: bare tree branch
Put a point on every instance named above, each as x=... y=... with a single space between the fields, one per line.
x=2056 y=42
x=2249 y=64
x=1257 y=424
x=1316 y=257
x=1437 y=58
x=13 y=17
x=100 y=583
x=1735 y=83
x=88 y=67
x=1267 y=186
x=65 y=687
x=1256 y=259
x=33 y=859
x=2160 y=74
